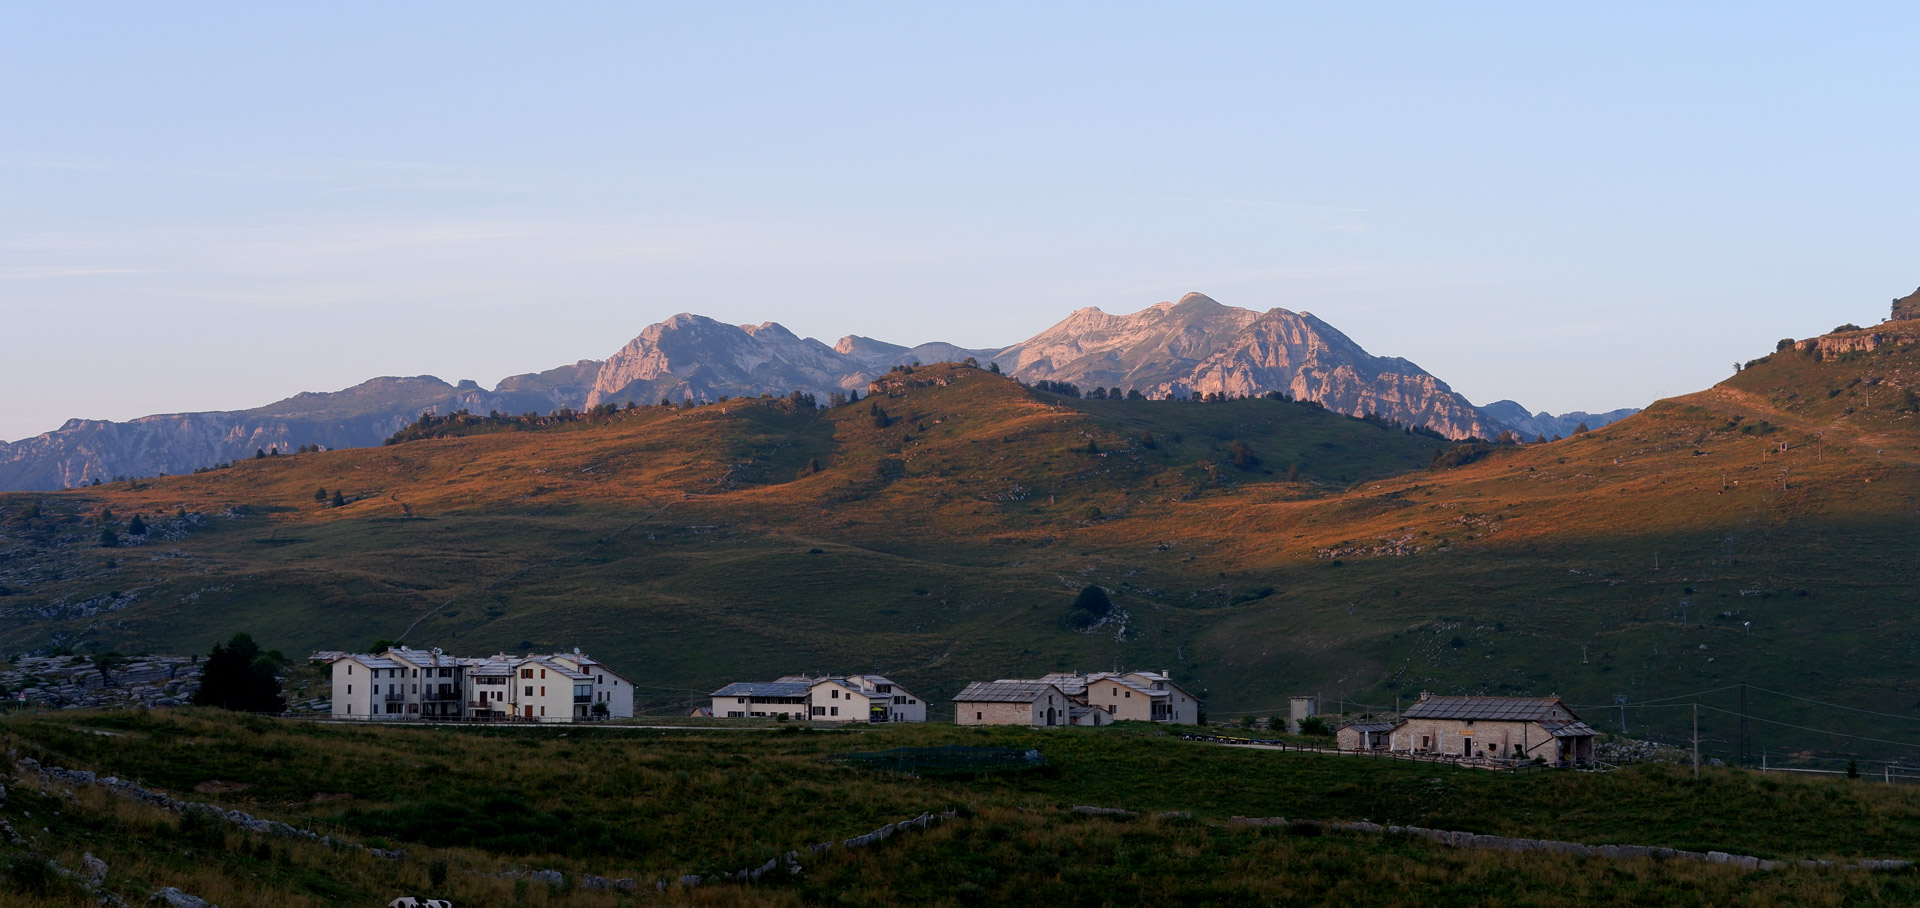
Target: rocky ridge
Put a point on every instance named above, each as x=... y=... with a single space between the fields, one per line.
x=1195 y=346
x=1547 y=425
x=84 y=450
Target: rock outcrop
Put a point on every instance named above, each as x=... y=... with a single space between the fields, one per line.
x=1907 y=307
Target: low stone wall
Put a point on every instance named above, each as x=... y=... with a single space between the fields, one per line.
x=1458 y=839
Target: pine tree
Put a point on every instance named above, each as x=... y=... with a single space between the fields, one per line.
x=136 y=526
x=320 y=494
x=239 y=676
x=109 y=539
x=339 y=500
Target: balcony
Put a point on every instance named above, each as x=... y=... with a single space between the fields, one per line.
x=583 y=698
x=394 y=698
x=440 y=696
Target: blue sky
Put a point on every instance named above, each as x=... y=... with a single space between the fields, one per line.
x=215 y=206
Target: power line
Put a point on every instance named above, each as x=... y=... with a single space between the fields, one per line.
x=1837 y=706
x=1690 y=696
x=1838 y=734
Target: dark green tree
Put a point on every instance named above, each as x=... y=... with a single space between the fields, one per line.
x=320 y=494
x=339 y=500
x=109 y=539
x=260 y=454
x=136 y=526
x=1581 y=429
x=1089 y=607
x=994 y=368
x=1242 y=456
x=238 y=676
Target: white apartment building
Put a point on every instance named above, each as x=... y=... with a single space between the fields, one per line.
x=403 y=684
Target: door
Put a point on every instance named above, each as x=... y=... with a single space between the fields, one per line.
x=529 y=712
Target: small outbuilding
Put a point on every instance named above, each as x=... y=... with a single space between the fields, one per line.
x=1364 y=735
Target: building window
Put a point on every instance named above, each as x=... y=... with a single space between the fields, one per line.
x=349 y=693
x=543 y=690
x=835 y=711
x=543 y=710
x=526 y=673
x=836 y=693
x=819 y=710
x=978 y=717
x=529 y=690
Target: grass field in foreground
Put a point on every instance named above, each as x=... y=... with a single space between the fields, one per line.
x=658 y=804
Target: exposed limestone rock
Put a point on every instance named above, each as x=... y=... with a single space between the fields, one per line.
x=1907 y=306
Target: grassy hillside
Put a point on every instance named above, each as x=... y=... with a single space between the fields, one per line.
x=938 y=530
x=464 y=804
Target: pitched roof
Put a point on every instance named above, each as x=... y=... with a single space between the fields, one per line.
x=562 y=670
x=1371 y=727
x=1004 y=691
x=1511 y=709
x=763 y=689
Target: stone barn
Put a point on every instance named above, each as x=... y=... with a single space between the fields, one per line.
x=1494 y=728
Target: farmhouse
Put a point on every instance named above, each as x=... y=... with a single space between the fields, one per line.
x=836 y=698
x=408 y=684
x=1494 y=728
x=1130 y=696
x=863 y=698
x=1038 y=704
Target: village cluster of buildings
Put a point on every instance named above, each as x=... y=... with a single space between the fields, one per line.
x=1062 y=698
x=402 y=684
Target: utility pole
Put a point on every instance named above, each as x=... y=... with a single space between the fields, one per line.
x=1696 y=742
x=1743 y=723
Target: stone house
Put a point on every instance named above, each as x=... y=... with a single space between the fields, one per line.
x=1495 y=728
x=1037 y=704
x=1364 y=735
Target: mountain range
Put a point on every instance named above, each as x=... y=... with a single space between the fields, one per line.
x=1195 y=346
x=939 y=530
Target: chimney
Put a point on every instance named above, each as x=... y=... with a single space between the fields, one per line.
x=1425 y=694
x=1166 y=674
